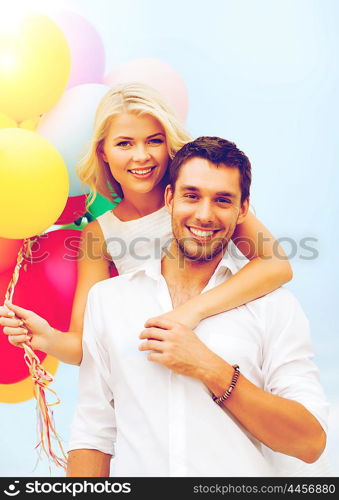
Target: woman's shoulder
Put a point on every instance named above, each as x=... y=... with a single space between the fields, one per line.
x=92 y=227
x=94 y=238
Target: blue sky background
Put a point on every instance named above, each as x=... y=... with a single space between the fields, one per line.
x=263 y=74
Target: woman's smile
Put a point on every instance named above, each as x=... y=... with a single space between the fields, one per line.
x=142 y=173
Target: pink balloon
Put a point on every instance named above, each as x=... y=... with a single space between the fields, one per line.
x=8 y=253
x=74 y=209
x=157 y=74
x=87 y=49
x=55 y=259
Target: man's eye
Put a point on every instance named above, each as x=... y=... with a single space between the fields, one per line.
x=223 y=200
x=124 y=144
x=191 y=196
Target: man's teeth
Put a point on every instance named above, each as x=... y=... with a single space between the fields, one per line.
x=142 y=172
x=202 y=234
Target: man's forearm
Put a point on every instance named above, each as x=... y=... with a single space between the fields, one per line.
x=281 y=424
x=88 y=463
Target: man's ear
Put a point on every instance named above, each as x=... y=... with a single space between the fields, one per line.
x=243 y=211
x=168 y=196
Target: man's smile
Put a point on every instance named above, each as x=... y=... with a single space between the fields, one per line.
x=202 y=234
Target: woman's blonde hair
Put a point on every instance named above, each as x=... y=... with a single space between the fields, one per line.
x=135 y=98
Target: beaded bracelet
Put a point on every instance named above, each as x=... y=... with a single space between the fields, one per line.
x=228 y=392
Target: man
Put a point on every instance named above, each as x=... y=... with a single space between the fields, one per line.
x=173 y=400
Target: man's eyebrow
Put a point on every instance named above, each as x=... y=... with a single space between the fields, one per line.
x=189 y=188
x=196 y=190
x=226 y=194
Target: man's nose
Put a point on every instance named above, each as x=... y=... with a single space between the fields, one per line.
x=141 y=153
x=204 y=212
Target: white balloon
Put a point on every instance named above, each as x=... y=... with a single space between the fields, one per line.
x=69 y=126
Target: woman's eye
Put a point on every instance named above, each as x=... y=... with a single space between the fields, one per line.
x=123 y=144
x=156 y=141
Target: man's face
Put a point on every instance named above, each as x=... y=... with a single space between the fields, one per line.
x=205 y=208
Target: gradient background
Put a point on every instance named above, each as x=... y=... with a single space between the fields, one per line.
x=264 y=74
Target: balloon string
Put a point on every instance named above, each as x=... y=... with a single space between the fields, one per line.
x=41 y=378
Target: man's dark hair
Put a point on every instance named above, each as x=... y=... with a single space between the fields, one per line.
x=218 y=151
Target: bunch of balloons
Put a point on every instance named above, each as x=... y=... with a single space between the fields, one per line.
x=52 y=79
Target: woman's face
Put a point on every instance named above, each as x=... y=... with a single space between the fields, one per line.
x=136 y=150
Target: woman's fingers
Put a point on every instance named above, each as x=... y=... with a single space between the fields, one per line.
x=15 y=331
x=19 y=311
x=10 y=322
x=4 y=311
x=17 y=341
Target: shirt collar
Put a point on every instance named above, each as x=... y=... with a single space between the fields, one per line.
x=229 y=261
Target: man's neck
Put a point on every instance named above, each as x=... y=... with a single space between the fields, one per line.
x=186 y=278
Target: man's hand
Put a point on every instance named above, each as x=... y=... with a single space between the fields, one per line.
x=177 y=347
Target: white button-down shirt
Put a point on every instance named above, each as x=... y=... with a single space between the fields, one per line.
x=165 y=424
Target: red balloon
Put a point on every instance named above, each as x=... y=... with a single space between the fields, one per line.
x=74 y=209
x=8 y=253
x=46 y=286
x=29 y=293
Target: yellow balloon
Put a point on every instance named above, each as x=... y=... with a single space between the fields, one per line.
x=34 y=183
x=7 y=121
x=30 y=124
x=35 y=65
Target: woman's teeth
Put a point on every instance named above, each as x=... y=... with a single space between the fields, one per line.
x=142 y=172
x=202 y=234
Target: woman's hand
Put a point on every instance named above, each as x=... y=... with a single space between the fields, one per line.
x=22 y=325
x=184 y=314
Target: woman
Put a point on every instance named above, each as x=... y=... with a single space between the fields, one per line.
x=135 y=136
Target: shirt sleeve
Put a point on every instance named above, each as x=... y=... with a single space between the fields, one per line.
x=93 y=425
x=288 y=368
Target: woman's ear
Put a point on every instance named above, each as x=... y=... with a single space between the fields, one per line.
x=103 y=155
x=101 y=152
x=168 y=196
x=243 y=211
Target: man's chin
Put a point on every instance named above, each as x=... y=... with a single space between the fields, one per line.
x=201 y=254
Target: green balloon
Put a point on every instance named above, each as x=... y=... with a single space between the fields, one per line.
x=75 y=225
x=101 y=205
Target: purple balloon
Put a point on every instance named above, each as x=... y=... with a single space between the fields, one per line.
x=87 y=49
